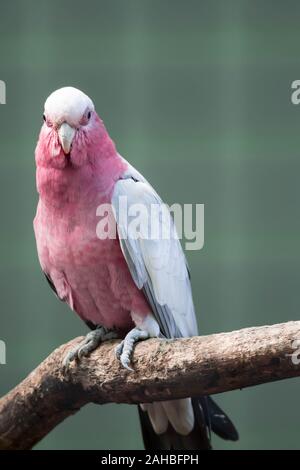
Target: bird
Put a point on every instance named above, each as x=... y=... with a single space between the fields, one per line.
x=128 y=286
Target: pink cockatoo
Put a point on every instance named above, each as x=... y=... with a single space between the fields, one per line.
x=125 y=286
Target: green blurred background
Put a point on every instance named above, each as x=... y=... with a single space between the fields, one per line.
x=196 y=95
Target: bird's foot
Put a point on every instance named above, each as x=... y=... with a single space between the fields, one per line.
x=124 y=350
x=89 y=344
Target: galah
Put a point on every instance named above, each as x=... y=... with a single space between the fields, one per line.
x=123 y=286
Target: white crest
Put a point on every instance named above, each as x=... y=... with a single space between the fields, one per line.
x=67 y=104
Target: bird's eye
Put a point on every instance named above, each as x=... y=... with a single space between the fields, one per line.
x=44 y=117
x=85 y=118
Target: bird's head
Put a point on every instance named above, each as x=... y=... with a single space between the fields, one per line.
x=72 y=133
x=74 y=153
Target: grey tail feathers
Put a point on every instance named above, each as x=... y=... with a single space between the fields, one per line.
x=208 y=417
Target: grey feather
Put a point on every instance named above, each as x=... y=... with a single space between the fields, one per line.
x=158 y=266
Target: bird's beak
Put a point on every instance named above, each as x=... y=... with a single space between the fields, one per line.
x=66 y=135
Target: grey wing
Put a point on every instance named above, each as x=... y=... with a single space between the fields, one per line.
x=156 y=262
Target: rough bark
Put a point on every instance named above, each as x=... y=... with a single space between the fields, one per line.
x=163 y=369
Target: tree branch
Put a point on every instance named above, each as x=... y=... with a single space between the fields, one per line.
x=163 y=370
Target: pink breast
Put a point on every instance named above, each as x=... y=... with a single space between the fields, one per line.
x=90 y=274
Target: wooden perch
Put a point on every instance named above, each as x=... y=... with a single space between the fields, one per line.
x=163 y=369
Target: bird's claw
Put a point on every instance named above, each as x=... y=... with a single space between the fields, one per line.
x=124 y=350
x=119 y=349
x=124 y=357
x=69 y=357
x=89 y=344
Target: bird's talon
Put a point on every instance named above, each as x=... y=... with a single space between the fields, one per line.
x=67 y=361
x=124 y=350
x=125 y=363
x=85 y=349
x=89 y=344
x=119 y=350
x=80 y=353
